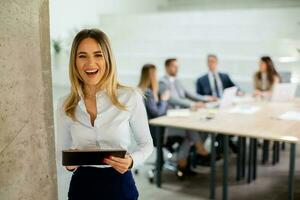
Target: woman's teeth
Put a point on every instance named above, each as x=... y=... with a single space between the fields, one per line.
x=91 y=71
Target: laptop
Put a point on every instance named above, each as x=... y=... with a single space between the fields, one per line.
x=228 y=97
x=283 y=92
x=226 y=100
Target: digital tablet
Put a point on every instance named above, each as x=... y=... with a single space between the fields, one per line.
x=89 y=157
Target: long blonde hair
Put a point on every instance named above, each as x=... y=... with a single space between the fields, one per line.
x=108 y=80
x=147 y=80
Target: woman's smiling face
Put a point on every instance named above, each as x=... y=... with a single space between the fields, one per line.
x=90 y=61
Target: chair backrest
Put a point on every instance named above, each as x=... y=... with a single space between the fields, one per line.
x=285 y=76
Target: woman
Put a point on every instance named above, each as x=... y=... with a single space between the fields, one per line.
x=99 y=112
x=264 y=81
x=265 y=78
x=157 y=106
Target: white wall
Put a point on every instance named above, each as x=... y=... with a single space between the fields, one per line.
x=238 y=37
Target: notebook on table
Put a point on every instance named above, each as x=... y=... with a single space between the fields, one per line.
x=89 y=156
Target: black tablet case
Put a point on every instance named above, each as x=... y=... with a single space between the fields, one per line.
x=89 y=157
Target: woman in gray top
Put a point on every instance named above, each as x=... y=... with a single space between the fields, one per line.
x=265 y=78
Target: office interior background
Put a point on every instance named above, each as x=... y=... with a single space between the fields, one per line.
x=239 y=32
x=150 y=31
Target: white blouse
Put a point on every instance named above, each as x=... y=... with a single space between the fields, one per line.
x=113 y=127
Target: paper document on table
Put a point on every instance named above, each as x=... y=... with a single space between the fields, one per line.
x=290 y=115
x=245 y=109
x=178 y=113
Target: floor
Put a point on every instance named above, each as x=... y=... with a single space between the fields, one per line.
x=271 y=183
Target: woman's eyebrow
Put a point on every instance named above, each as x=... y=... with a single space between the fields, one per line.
x=97 y=52
x=81 y=52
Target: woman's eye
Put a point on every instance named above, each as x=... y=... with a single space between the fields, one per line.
x=98 y=55
x=81 y=56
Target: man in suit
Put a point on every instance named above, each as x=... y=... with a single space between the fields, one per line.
x=213 y=83
x=182 y=98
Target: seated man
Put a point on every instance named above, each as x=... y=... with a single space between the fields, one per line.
x=213 y=83
x=181 y=98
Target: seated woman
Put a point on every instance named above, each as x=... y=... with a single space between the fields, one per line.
x=157 y=106
x=264 y=81
x=265 y=78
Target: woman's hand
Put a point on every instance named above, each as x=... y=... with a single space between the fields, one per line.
x=71 y=168
x=120 y=164
x=257 y=93
x=165 y=96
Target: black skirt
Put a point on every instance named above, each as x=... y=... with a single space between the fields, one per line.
x=91 y=183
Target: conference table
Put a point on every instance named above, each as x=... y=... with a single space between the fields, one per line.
x=266 y=120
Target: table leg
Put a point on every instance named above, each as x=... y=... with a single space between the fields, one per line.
x=265 y=156
x=250 y=161
x=244 y=154
x=213 y=167
x=159 y=154
x=225 y=168
x=254 y=158
x=283 y=146
x=278 y=152
x=239 y=160
x=292 y=171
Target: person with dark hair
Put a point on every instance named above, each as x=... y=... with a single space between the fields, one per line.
x=266 y=77
x=264 y=80
x=182 y=98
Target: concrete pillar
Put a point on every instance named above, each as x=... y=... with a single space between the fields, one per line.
x=27 y=155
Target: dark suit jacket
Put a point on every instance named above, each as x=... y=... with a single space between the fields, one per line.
x=203 y=86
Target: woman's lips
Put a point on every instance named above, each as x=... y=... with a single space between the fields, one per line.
x=91 y=73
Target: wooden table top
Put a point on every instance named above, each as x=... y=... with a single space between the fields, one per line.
x=263 y=124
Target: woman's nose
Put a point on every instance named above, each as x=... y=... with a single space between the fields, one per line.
x=90 y=61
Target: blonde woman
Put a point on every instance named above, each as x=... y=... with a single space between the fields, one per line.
x=155 y=106
x=99 y=112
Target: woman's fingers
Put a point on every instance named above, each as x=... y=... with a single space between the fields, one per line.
x=119 y=164
x=71 y=168
x=113 y=163
x=125 y=160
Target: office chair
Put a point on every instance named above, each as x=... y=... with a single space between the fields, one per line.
x=170 y=148
x=171 y=145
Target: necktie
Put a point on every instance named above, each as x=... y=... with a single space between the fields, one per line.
x=216 y=86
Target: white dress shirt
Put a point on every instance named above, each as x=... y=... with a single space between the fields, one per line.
x=212 y=83
x=113 y=128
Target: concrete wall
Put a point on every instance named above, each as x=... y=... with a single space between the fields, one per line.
x=27 y=158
